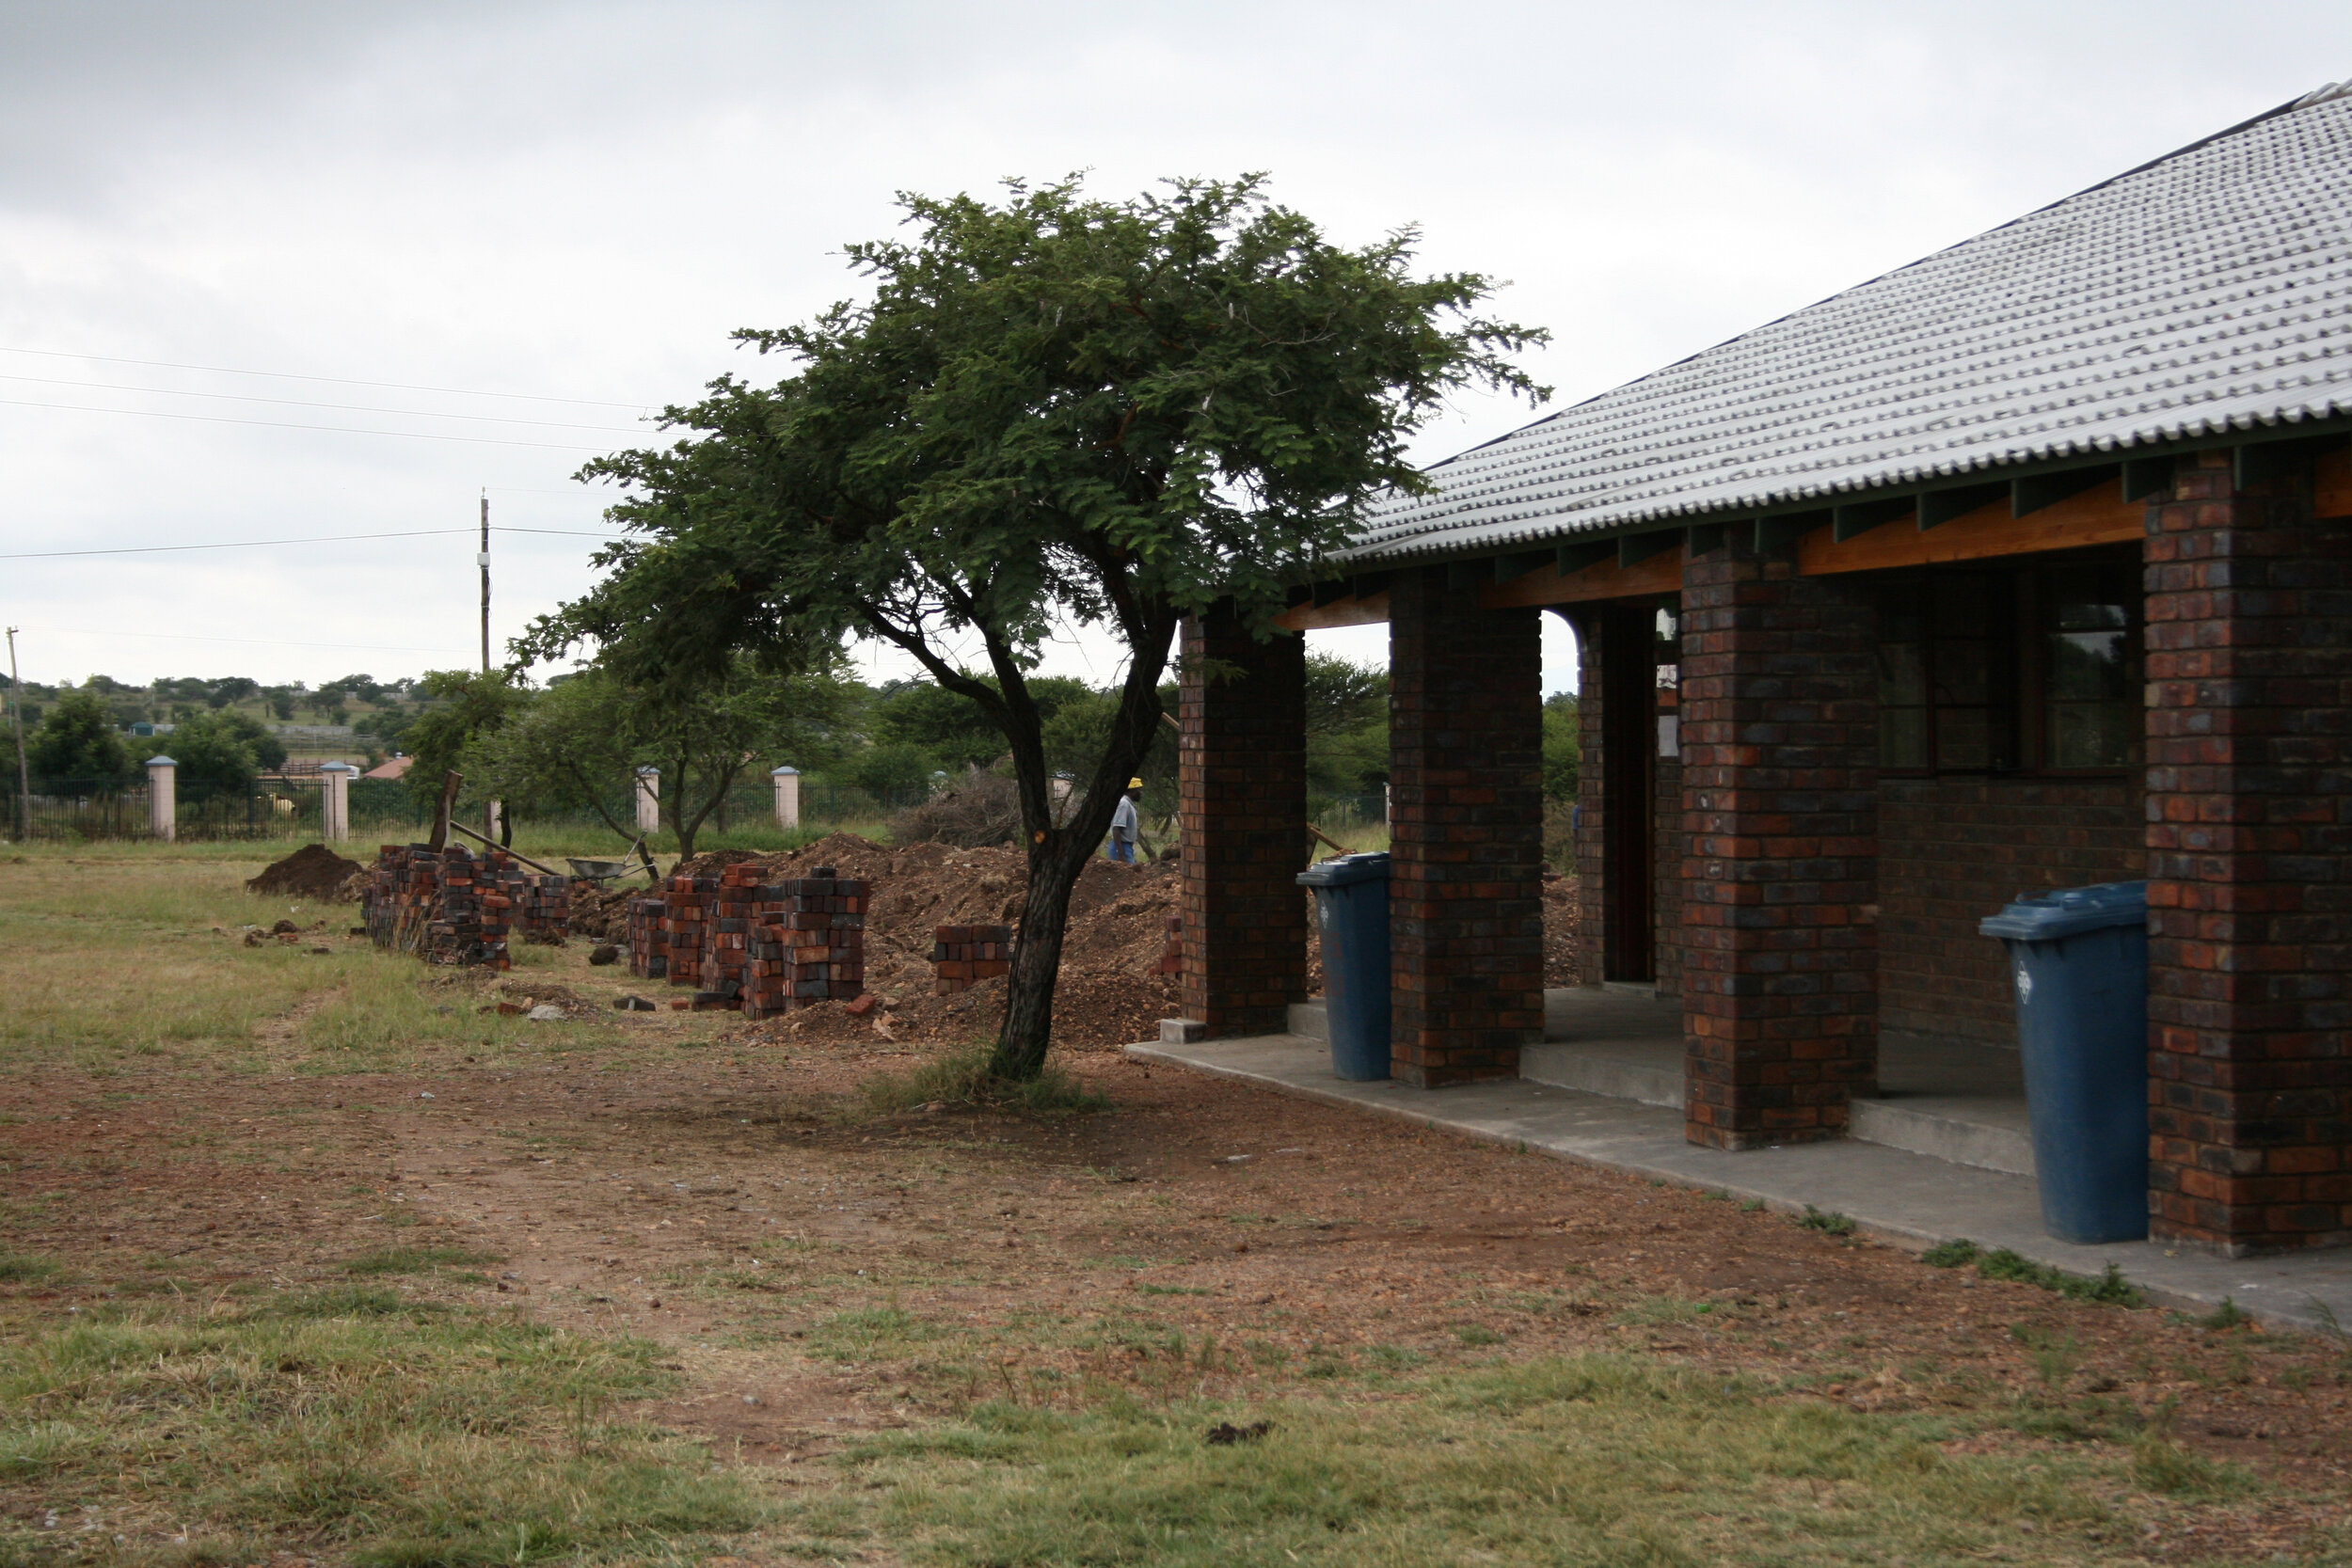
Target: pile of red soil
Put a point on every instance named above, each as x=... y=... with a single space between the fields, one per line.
x=313 y=872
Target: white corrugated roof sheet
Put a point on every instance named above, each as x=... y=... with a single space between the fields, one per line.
x=2206 y=293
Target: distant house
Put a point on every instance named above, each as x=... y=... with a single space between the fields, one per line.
x=394 y=767
x=2028 y=564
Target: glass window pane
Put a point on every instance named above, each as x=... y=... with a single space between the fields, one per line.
x=1902 y=737
x=1963 y=739
x=1960 y=605
x=2087 y=667
x=1962 y=672
x=2086 y=735
x=1902 y=674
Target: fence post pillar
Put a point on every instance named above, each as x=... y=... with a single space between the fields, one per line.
x=162 y=799
x=649 y=801
x=788 y=783
x=335 y=801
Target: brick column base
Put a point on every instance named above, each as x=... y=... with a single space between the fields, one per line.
x=1466 y=923
x=1779 y=778
x=2249 y=864
x=1242 y=771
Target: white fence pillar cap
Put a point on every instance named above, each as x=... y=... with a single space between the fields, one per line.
x=161 y=762
x=643 y=772
x=780 y=772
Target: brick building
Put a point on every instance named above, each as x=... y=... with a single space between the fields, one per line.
x=2026 y=566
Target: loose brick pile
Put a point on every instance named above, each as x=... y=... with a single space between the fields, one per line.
x=753 y=946
x=962 y=956
x=454 y=907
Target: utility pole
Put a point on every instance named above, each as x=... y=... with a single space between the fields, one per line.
x=482 y=560
x=24 y=768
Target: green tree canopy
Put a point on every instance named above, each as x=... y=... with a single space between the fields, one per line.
x=77 y=743
x=465 y=706
x=578 y=744
x=1053 y=410
x=215 y=757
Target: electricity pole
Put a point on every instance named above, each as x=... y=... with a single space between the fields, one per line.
x=24 y=768
x=483 y=561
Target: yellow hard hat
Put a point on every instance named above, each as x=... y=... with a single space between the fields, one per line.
x=1134 y=783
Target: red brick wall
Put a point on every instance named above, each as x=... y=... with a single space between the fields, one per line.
x=1779 y=749
x=1242 y=780
x=2249 y=864
x=1465 y=923
x=1953 y=851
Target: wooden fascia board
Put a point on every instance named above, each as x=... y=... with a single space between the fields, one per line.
x=1352 y=611
x=2098 y=515
x=1604 y=579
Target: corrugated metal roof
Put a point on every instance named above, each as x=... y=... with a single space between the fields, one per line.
x=2205 y=293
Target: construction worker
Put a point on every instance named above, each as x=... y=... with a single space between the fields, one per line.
x=1125 y=827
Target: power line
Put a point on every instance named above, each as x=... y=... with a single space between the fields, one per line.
x=307 y=402
x=282 y=424
x=314 y=539
x=331 y=380
x=109 y=634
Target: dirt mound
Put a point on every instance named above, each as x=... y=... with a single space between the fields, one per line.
x=313 y=872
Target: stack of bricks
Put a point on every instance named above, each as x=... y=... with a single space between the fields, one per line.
x=648 y=938
x=964 y=956
x=543 y=905
x=806 y=944
x=443 y=905
x=682 y=916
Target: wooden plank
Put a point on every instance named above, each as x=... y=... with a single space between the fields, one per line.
x=2099 y=515
x=1606 y=579
x=1352 y=611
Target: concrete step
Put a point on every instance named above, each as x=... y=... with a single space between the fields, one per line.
x=1965 y=1130
x=1310 y=1020
x=1646 y=1077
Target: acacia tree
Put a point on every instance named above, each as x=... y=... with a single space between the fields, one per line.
x=1054 y=408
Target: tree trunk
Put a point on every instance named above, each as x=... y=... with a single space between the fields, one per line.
x=1058 y=854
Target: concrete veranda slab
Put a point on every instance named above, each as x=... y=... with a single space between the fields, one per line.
x=1899 y=1196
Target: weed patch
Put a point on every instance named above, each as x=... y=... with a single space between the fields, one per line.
x=2109 y=1287
x=962 y=1079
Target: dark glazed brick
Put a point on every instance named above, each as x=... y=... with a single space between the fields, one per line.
x=1466 y=923
x=2249 y=864
x=1780 y=850
x=1242 y=779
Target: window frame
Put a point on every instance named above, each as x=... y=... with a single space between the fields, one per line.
x=2018 y=675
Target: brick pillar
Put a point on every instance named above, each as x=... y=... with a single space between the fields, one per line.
x=1465 y=923
x=1779 y=758
x=2249 y=864
x=1242 y=771
x=1592 y=915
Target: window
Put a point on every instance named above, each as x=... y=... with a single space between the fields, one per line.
x=2028 y=668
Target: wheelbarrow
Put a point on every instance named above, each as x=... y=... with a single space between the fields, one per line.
x=607 y=871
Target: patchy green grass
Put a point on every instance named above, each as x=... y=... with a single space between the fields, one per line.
x=2001 y=1263
x=411 y=1259
x=1592 y=1460
x=345 y=1421
x=962 y=1078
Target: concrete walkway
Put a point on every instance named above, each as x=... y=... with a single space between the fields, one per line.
x=1895 y=1194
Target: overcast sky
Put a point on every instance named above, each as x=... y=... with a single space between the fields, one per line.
x=580 y=202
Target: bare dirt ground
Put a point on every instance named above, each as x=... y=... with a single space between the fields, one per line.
x=820 y=1269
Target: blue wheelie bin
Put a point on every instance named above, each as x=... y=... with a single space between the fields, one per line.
x=2078 y=961
x=1352 y=916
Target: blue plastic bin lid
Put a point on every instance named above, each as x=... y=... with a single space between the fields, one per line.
x=2047 y=917
x=1342 y=870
